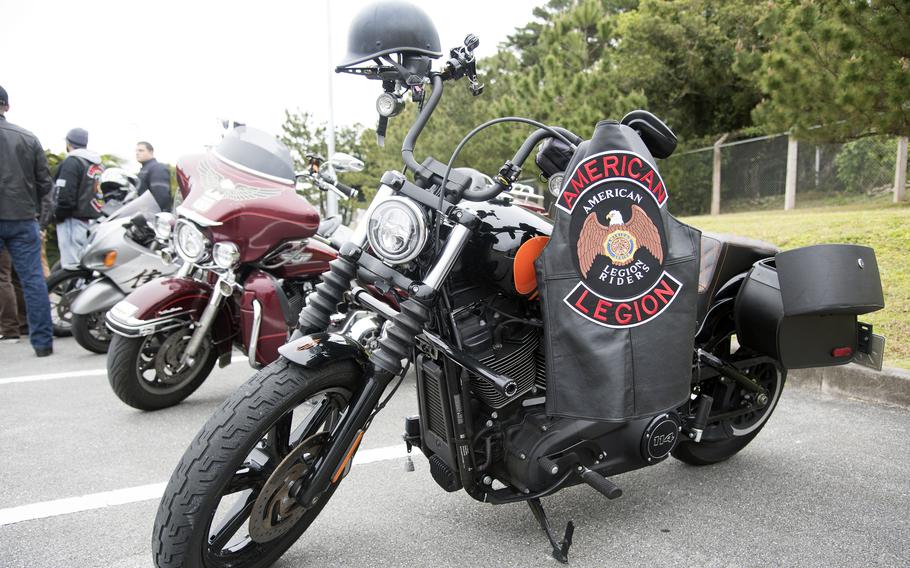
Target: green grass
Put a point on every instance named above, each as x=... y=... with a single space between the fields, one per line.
x=883 y=226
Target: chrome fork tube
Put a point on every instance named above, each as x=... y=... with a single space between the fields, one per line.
x=205 y=323
x=450 y=253
x=254 y=334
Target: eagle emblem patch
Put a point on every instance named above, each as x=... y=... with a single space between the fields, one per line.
x=614 y=200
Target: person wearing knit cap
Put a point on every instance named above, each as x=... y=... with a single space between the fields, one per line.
x=25 y=181
x=77 y=197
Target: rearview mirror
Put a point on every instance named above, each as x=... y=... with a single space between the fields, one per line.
x=346 y=163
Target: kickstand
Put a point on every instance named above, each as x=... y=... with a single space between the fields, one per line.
x=560 y=549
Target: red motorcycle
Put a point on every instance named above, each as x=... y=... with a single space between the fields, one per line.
x=251 y=253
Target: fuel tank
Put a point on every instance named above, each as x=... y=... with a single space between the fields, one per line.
x=504 y=227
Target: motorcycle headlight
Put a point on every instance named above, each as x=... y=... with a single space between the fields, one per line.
x=226 y=255
x=397 y=230
x=192 y=245
x=164 y=225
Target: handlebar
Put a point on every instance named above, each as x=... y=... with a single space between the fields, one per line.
x=407 y=146
x=510 y=171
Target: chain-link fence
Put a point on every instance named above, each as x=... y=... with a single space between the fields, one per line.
x=753 y=174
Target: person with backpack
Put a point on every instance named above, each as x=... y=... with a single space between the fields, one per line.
x=77 y=196
x=25 y=181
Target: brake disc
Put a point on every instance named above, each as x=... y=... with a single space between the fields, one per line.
x=275 y=511
x=168 y=366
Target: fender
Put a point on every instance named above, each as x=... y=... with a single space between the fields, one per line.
x=169 y=302
x=99 y=296
x=319 y=349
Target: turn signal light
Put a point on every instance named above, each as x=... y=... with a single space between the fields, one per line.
x=842 y=352
x=110 y=258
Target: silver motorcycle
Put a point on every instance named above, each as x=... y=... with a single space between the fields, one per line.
x=121 y=254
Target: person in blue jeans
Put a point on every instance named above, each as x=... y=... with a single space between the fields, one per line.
x=25 y=183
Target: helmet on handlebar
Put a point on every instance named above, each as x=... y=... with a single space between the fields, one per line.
x=386 y=28
x=116 y=183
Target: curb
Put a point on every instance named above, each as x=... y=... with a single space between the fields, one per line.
x=889 y=386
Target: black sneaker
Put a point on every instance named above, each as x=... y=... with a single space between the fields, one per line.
x=44 y=351
x=9 y=339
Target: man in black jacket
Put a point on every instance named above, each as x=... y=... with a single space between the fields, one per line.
x=25 y=181
x=154 y=176
x=77 y=197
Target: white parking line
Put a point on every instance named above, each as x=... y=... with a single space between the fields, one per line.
x=75 y=374
x=70 y=505
x=52 y=376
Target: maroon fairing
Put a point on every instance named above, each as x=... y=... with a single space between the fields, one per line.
x=273 y=329
x=255 y=212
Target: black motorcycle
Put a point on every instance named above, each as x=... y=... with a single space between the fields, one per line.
x=547 y=354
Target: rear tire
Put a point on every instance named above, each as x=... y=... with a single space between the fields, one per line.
x=88 y=334
x=133 y=369
x=722 y=440
x=62 y=288
x=237 y=451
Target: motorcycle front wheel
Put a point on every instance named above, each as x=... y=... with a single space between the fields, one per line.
x=148 y=373
x=227 y=502
x=90 y=332
x=62 y=288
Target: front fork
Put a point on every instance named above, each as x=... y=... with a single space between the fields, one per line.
x=222 y=289
x=395 y=344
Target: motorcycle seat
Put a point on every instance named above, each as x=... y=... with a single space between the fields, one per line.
x=722 y=258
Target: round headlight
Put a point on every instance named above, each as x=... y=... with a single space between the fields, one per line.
x=192 y=245
x=226 y=255
x=397 y=230
x=164 y=225
x=554 y=184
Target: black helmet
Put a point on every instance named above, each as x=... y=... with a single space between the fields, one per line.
x=390 y=27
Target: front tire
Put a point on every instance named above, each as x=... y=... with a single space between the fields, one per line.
x=145 y=372
x=90 y=332
x=226 y=503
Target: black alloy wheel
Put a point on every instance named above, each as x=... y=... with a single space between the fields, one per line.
x=149 y=372
x=90 y=331
x=724 y=438
x=62 y=288
x=228 y=502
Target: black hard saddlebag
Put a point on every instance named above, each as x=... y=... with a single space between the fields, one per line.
x=800 y=307
x=618 y=283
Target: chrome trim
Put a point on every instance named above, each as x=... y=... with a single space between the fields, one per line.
x=206 y=243
x=365 y=299
x=198 y=218
x=454 y=245
x=185 y=269
x=138 y=328
x=257 y=173
x=205 y=323
x=359 y=237
x=254 y=334
x=422 y=233
x=287 y=252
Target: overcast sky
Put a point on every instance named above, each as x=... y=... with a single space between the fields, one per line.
x=166 y=71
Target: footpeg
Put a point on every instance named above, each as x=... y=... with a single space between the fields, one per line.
x=600 y=483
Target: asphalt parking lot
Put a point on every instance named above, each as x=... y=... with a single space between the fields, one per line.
x=827 y=483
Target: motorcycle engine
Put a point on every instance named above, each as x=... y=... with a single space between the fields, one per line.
x=506 y=344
